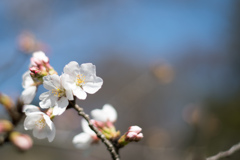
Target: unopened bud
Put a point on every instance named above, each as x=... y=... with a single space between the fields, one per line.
x=131 y=135
x=39 y=58
x=134 y=134
x=34 y=70
x=22 y=141
x=6 y=101
x=40 y=65
x=135 y=129
x=38 y=72
x=5 y=126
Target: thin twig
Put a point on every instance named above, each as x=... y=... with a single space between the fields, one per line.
x=227 y=153
x=108 y=144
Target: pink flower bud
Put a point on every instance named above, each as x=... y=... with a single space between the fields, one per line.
x=5 y=126
x=135 y=129
x=134 y=134
x=22 y=141
x=40 y=66
x=131 y=135
x=34 y=70
x=39 y=58
x=139 y=136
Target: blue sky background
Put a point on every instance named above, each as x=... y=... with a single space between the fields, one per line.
x=141 y=31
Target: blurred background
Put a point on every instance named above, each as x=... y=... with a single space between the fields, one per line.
x=169 y=66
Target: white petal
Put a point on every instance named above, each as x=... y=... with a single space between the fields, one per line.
x=82 y=140
x=28 y=94
x=29 y=122
x=86 y=128
x=72 y=69
x=88 y=70
x=51 y=133
x=51 y=82
x=61 y=106
x=69 y=95
x=110 y=112
x=79 y=93
x=27 y=80
x=48 y=102
x=94 y=86
x=67 y=86
x=30 y=108
x=99 y=115
x=62 y=102
x=41 y=133
x=45 y=95
x=48 y=120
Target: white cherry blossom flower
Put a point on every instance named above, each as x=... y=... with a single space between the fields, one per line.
x=58 y=95
x=30 y=88
x=107 y=113
x=83 y=79
x=84 y=139
x=39 y=122
x=102 y=119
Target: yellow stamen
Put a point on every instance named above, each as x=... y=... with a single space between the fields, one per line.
x=80 y=80
x=58 y=92
x=41 y=123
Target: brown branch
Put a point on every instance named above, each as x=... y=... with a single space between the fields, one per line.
x=227 y=153
x=107 y=143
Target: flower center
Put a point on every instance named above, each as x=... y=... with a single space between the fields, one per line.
x=80 y=80
x=58 y=92
x=41 y=123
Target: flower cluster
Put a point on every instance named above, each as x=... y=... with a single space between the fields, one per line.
x=75 y=82
x=39 y=122
x=38 y=68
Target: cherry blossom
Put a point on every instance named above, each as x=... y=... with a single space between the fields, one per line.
x=103 y=119
x=83 y=79
x=39 y=122
x=58 y=95
x=107 y=113
x=84 y=139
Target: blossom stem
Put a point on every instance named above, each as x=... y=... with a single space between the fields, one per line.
x=108 y=144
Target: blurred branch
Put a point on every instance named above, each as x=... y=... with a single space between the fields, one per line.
x=227 y=153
